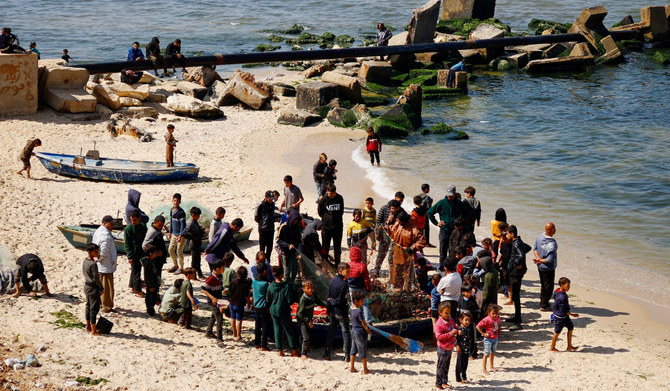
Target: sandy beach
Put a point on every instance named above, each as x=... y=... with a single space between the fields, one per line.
x=242 y=156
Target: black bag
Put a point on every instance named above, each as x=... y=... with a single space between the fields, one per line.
x=104 y=326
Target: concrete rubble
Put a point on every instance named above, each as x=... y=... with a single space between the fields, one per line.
x=192 y=107
x=310 y=96
x=242 y=87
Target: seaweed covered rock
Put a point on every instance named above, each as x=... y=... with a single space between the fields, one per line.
x=446 y=130
x=540 y=25
x=341 y=117
x=464 y=26
x=661 y=57
x=399 y=121
x=262 y=47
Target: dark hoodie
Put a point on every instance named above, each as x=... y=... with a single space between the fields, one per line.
x=134 y=204
x=310 y=239
x=153 y=48
x=289 y=233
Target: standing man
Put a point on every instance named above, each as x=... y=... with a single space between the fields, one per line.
x=386 y=214
x=173 y=55
x=448 y=208
x=292 y=195
x=383 y=35
x=106 y=261
x=265 y=217
x=331 y=210
x=133 y=236
x=546 y=258
x=410 y=240
x=177 y=224
x=517 y=269
x=426 y=202
x=318 y=172
x=224 y=241
x=154 y=237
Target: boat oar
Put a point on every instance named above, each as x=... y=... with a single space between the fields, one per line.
x=407 y=344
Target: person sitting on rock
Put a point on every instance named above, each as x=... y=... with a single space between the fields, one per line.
x=451 y=76
x=130 y=77
x=135 y=53
x=154 y=54
x=173 y=55
x=9 y=43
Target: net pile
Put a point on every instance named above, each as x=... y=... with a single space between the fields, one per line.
x=388 y=306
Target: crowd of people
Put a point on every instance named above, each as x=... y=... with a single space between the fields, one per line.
x=463 y=288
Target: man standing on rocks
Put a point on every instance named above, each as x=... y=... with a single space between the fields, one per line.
x=383 y=35
x=331 y=210
x=106 y=261
x=448 y=208
x=546 y=260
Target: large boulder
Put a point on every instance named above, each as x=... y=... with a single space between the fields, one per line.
x=310 y=96
x=192 y=107
x=70 y=100
x=106 y=96
x=136 y=91
x=375 y=71
x=192 y=89
x=412 y=96
x=398 y=121
x=129 y=102
x=477 y=9
x=341 y=117
x=423 y=22
x=297 y=117
x=243 y=87
x=349 y=87
x=203 y=75
x=488 y=31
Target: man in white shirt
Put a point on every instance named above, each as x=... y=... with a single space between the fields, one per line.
x=107 y=261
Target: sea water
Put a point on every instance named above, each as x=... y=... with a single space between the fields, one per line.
x=588 y=151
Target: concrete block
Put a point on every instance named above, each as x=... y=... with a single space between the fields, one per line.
x=413 y=96
x=192 y=89
x=580 y=49
x=18 y=84
x=612 y=53
x=70 y=100
x=478 y=9
x=519 y=59
x=105 y=96
x=561 y=64
x=487 y=31
x=423 y=22
x=589 y=23
x=553 y=51
x=139 y=112
x=192 y=107
x=243 y=87
x=375 y=71
x=462 y=80
x=282 y=89
x=349 y=87
x=297 y=117
x=136 y=91
x=657 y=20
x=399 y=39
x=156 y=98
x=129 y=102
x=312 y=95
x=202 y=75
x=65 y=77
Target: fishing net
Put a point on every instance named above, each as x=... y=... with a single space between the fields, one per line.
x=205 y=218
x=388 y=306
x=310 y=271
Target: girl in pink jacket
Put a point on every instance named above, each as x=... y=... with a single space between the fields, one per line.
x=445 y=333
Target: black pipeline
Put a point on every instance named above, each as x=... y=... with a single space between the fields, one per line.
x=329 y=54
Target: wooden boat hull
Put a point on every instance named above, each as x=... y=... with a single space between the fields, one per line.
x=116 y=170
x=81 y=236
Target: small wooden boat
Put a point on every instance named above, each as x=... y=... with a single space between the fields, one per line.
x=80 y=236
x=93 y=167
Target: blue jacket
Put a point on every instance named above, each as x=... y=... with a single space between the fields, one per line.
x=133 y=54
x=547 y=249
x=561 y=304
x=177 y=221
x=337 y=296
x=260 y=289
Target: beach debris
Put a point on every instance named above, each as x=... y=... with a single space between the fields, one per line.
x=89 y=381
x=589 y=24
x=66 y=320
x=349 y=88
x=398 y=121
x=375 y=71
x=156 y=98
x=32 y=361
x=612 y=54
x=479 y=9
x=310 y=96
x=119 y=125
x=297 y=117
x=42 y=348
x=129 y=102
x=192 y=107
x=461 y=77
x=192 y=89
x=282 y=89
x=139 y=112
x=105 y=96
x=560 y=64
x=71 y=383
x=317 y=69
x=540 y=26
x=422 y=24
x=136 y=91
x=203 y=75
x=579 y=50
x=243 y=87
x=16 y=364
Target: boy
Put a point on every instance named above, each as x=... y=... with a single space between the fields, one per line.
x=261 y=259
x=426 y=202
x=369 y=212
x=194 y=233
x=213 y=290
x=562 y=314
x=187 y=300
x=265 y=217
x=292 y=195
x=489 y=328
x=359 y=329
x=66 y=56
x=472 y=209
x=170 y=309
x=227 y=277
x=133 y=236
x=216 y=223
x=263 y=319
x=26 y=154
x=92 y=287
x=435 y=298
x=359 y=279
x=33 y=48
x=358 y=232
x=421 y=273
x=151 y=279
x=177 y=225
x=373 y=144
x=337 y=310
x=305 y=314
x=467 y=304
x=280 y=298
x=171 y=144
x=419 y=214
